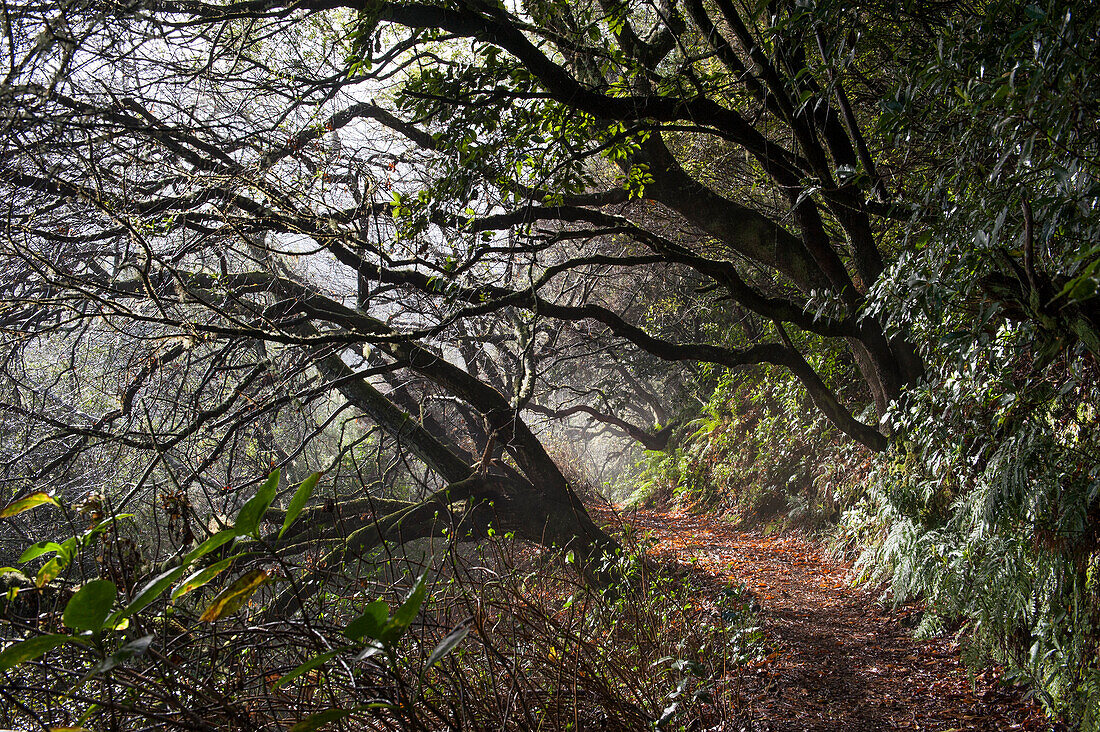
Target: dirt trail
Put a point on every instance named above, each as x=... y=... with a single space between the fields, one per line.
x=844 y=662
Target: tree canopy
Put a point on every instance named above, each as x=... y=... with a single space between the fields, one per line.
x=255 y=199
x=398 y=241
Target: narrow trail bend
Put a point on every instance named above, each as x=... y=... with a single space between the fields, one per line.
x=843 y=661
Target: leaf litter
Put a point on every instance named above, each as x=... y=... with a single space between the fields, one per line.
x=840 y=658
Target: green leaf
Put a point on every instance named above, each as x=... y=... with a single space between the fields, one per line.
x=298 y=501
x=1081 y=287
x=308 y=666
x=404 y=615
x=123 y=654
x=157 y=586
x=37 y=550
x=233 y=597
x=215 y=541
x=450 y=641
x=50 y=570
x=27 y=503
x=67 y=549
x=201 y=577
x=248 y=519
x=31 y=649
x=135 y=647
x=151 y=591
x=320 y=719
x=370 y=623
x=89 y=607
x=87 y=536
x=88 y=713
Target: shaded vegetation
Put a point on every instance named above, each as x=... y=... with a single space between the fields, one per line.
x=498 y=636
x=448 y=272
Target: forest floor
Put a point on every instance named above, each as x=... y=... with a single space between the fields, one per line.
x=839 y=659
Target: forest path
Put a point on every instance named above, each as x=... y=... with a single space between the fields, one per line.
x=842 y=661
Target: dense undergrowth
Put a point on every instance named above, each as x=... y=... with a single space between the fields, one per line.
x=987 y=505
x=988 y=512
x=986 y=509
x=497 y=636
x=758 y=454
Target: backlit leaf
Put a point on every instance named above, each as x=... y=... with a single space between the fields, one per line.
x=404 y=615
x=37 y=550
x=152 y=590
x=233 y=597
x=27 y=503
x=222 y=537
x=298 y=501
x=50 y=570
x=248 y=519
x=197 y=579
